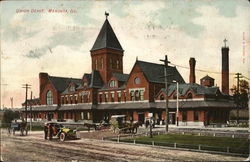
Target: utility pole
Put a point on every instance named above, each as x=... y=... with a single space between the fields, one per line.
x=166 y=87
x=238 y=76
x=26 y=86
x=31 y=111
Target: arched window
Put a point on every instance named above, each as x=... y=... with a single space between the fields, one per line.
x=111 y=63
x=137 y=80
x=96 y=64
x=101 y=63
x=117 y=64
x=161 y=97
x=175 y=96
x=49 y=98
x=189 y=96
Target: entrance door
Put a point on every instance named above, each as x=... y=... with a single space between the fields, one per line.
x=171 y=118
x=141 y=117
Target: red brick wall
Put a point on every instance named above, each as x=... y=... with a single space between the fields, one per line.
x=106 y=54
x=135 y=116
x=190 y=115
x=201 y=116
x=136 y=72
x=55 y=94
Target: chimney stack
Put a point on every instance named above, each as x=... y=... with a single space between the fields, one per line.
x=225 y=69
x=192 y=70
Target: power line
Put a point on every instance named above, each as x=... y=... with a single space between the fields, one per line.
x=201 y=70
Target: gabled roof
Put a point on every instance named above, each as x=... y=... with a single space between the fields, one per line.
x=61 y=83
x=195 y=88
x=106 y=38
x=207 y=78
x=87 y=76
x=121 y=77
x=155 y=72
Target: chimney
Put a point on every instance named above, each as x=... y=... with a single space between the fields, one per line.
x=43 y=79
x=192 y=70
x=225 y=69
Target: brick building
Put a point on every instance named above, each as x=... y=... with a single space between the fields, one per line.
x=107 y=91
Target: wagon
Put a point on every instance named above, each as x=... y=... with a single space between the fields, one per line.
x=18 y=125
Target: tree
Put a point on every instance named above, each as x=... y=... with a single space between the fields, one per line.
x=8 y=116
x=241 y=98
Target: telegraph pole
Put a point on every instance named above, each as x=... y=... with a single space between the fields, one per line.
x=31 y=111
x=238 y=76
x=26 y=86
x=166 y=87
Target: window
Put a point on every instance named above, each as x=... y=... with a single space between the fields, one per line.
x=137 y=80
x=88 y=115
x=125 y=96
x=85 y=84
x=117 y=64
x=175 y=96
x=111 y=63
x=72 y=88
x=161 y=97
x=49 y=98
x=100 y=98
x=184 y=115
x=76 y=99
x=82 y=99
x=71 y=99
x=106 y=97
x=82 y=115
x=141 y=95
x=96 y=64
x=112 y=83
x=132 y=96
x=189 y=96
x=87 y=98
x=196 y=115
x=101 y=63
x=112 y=97
x=62 y=100
x=137 y=95
x=119 y=96
x=67 y=99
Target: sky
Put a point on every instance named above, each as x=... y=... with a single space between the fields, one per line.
x=35 y=40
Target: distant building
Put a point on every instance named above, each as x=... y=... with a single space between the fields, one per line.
x=107 y=91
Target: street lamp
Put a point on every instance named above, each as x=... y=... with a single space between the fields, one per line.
x=177 y=102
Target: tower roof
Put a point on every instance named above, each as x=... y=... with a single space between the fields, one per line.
x=106 y=38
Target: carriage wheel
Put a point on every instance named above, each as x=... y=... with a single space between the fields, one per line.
x=62 y=137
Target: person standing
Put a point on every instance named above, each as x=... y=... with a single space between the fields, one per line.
x=45 y=131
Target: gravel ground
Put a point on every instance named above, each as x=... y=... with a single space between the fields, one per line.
x=34 y=148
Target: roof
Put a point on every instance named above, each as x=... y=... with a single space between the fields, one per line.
x=196 y=88
x=207 y=78
x=155 y=72
x=106 y=38
x=121 y=77
x=35 y=100
x=87 y=76
x=96 y=80
x=61 y=83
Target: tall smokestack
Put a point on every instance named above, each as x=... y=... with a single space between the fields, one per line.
x=225 y=69
x=192 y=70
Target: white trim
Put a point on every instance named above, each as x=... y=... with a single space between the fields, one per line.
x=100 y=93
x=137 y=101
x=106 y=92
x=191 y=123
x=136 y=89
x=112 y=92
x=172 y=100
x=118 y=92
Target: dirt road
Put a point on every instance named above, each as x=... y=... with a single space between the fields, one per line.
x=34 y=148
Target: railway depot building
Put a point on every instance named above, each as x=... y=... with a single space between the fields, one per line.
x=107 y=91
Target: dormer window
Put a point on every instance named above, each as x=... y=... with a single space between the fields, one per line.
x=137 y=80
x=189 y=96
x=72 y=88
x=85 y=84
x=112 y=83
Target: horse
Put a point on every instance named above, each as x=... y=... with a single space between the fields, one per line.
x=88 y=125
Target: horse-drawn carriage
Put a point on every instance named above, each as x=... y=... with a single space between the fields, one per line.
x=120 y=125
x=18 y=125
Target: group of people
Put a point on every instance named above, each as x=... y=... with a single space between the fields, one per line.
x=49 y=130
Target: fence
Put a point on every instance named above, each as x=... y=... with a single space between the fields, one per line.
x=203 y=148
